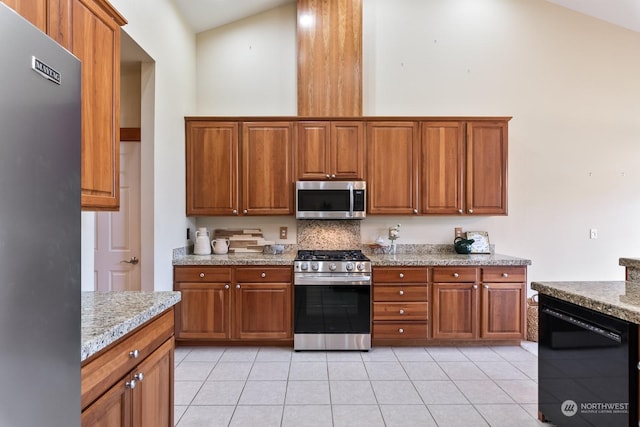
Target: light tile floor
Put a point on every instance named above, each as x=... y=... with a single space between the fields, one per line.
x=387 y=386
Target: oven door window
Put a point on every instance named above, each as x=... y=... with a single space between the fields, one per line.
x=332 y=309
x=324 y=200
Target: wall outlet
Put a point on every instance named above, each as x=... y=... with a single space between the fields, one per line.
x=593 y=233
x=283 y=232
x=458 y=232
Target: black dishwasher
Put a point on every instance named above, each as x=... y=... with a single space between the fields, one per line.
x=587 y=366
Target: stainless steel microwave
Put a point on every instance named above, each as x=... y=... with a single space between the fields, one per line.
x=331 y=199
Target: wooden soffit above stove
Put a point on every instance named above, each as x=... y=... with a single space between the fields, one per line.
x=329 y=58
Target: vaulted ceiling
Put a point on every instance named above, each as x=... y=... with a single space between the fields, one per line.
x=203 y=15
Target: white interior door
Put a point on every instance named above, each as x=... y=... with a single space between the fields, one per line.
x=117 y=250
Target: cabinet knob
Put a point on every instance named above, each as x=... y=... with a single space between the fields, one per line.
x=401 y=275
x=401 y=330
x=235 y=211
x=134 y=354
x=475 y=286
x=485 y=286
x=263 y=275
x=401 y=311
x=139 y=376
x=401 y=292
x=130 y=384
x=226 y=286
x=201 y=275
x=505 y=274
x=459 y=211
x=470 y=210
x=238 y=286
x=245 y=211
x=328 y=176
x=456 y=275
x=415 y=211
x=333 y=175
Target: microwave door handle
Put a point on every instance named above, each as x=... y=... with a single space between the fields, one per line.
x=351 y=199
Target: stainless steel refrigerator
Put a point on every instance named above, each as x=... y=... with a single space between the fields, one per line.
x=39 y=228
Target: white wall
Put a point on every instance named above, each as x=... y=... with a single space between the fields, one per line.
x=569 y=81
x=168 y=94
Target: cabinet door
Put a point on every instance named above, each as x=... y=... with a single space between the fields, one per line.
x=90 y=29
x=312 y=151
x=112 y=409
x=263 y=311
x=392 y=168
x=34 y=11
x=454 y=311
x=212 y=168
x=347 y=150
x=442 y=161
x=267 y=179
x=503 y=311
x=153 y=395
x=486 y=183
x=204 y=311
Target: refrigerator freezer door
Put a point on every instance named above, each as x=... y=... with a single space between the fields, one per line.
x=39 y=228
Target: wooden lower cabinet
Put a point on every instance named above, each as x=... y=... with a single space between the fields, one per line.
x=478 y=309
x=143 y=396
x=234 y=303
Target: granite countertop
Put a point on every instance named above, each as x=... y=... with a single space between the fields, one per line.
x=108 y=316
x=630 y=262
x=619 y=299
x=417 y=259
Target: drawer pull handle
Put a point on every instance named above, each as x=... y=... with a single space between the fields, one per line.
x=134 y=354
x=456 y=275
x=475 y=286
x=263 y=275
x=139 y=376
x=401 y=292
x=401 y=275
x=201 y=274
x=505 y=274
x=401 y=330
x=130 y=384
x=238 y=286
x=485 y=286
x=401 y=311
x=226 y=286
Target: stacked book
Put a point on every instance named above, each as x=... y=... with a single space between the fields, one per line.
x=243 y=240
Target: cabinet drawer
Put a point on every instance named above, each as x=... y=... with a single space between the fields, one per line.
x=401 y=275
x=400 y=311
x=202 y=274
x=455 y=274
x=504 y=274
x=263 y=274
x=400 y=292
x=101 y=372
x=397 y=330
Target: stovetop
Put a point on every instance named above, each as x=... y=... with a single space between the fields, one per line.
x=335 y=255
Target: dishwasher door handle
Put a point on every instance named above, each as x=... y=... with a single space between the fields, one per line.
x=584 y=325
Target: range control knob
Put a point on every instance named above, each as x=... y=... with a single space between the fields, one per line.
x=314 y=266
x=304 y=266
x=349 y=266
x=333 y=266
x=360 y=266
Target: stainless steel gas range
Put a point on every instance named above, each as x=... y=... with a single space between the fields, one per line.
x=332 y=301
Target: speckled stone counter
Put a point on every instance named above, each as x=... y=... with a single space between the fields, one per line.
x=108 y=316
x=418 y=259
x=445 y=259
x=632 y=268
x=618 y=299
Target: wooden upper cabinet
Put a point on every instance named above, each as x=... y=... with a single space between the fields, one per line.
x=486 y=169
x=330 y=150
x=212 y=168
x=392 y=167
x=90 y=29
x=267 y=164
x=34 y=11
x=442 y=167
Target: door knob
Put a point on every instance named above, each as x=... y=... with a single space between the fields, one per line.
x=133 y=261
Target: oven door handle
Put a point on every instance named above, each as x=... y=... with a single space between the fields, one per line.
x=332 y=281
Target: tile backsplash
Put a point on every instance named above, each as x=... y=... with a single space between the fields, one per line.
x=328 y=234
